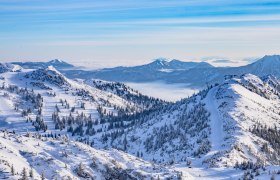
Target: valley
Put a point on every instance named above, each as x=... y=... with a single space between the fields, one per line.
x=224 y=131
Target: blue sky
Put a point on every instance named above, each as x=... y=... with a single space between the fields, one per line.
x=129 y=32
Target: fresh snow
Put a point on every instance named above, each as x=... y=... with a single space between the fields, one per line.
x=216 y=122
x=61 y=158
x=201 y=137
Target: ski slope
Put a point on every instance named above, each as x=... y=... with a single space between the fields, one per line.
x=216 y=122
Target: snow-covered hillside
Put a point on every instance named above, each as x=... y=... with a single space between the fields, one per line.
x=220 y=126
x=44 y=103
x=6 y=67
x=45 y=100
x=34 y=157
x=232 y=124
x=241 y=107
x=126 y=93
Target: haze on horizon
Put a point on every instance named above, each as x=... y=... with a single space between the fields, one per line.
x=129 y=32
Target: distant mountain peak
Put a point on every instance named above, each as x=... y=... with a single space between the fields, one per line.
x=5 y=67
x=157 y=64
x=275 y=56
x=177 y=64
x=175 y=61
x=269 y=59
x=59 y=62
x=204 y=65
x=49 y=74
x=160 y=61
x=267 y=65
x=56 y=61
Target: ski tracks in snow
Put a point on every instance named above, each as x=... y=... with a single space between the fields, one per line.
x=216 y=122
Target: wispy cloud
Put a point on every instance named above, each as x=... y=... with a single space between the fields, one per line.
x=135 y=30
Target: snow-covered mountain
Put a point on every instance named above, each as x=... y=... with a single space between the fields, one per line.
x=125 y=92
x=6 y=67
x=229 y=124
x=159 y=69
x=232 y=124
x=196 y=75
x=46 y=92
x=36 y=156
x=266 y=65
x=58 y=64
x=52 y=111
x=172 y=65
x=161 y=63
x=200 y=78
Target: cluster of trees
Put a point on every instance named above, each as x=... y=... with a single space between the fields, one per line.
x=47 y=75
x=245 y=165
x=128 y=94
x=25 y=174
x=115 y=126
x=270 y=86
x=274 y=83
x=3 y=68
x=272 y=136
x=125 y=120
x=30 y=96
x=188 y=131
x=86 y=95
x=192 y=123
x=76 y=124
x=40 y=124
x=40 y=85
x=253 y=170
x=32 y=101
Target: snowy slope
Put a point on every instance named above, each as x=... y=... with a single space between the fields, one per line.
x=170 y=134
x=241 y=104
x=126 y=93
x=5 y=67
x=236 y=106
x=59 y=158
x=216 y=127
x=46 y=101
x=232 y=124
x=266 y=65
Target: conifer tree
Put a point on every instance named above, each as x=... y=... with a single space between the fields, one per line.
x=24 y=174
x=13 y=170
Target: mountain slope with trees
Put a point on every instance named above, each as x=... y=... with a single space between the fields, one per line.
x=234 y=124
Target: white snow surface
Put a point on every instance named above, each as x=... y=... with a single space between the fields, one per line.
x=234 y=107
x=60 y=159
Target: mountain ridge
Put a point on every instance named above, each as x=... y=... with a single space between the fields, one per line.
x=232 y=124
x=195 y=74
x=59 y=64
x=220 y=134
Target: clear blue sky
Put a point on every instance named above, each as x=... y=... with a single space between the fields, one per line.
x=128 y=32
